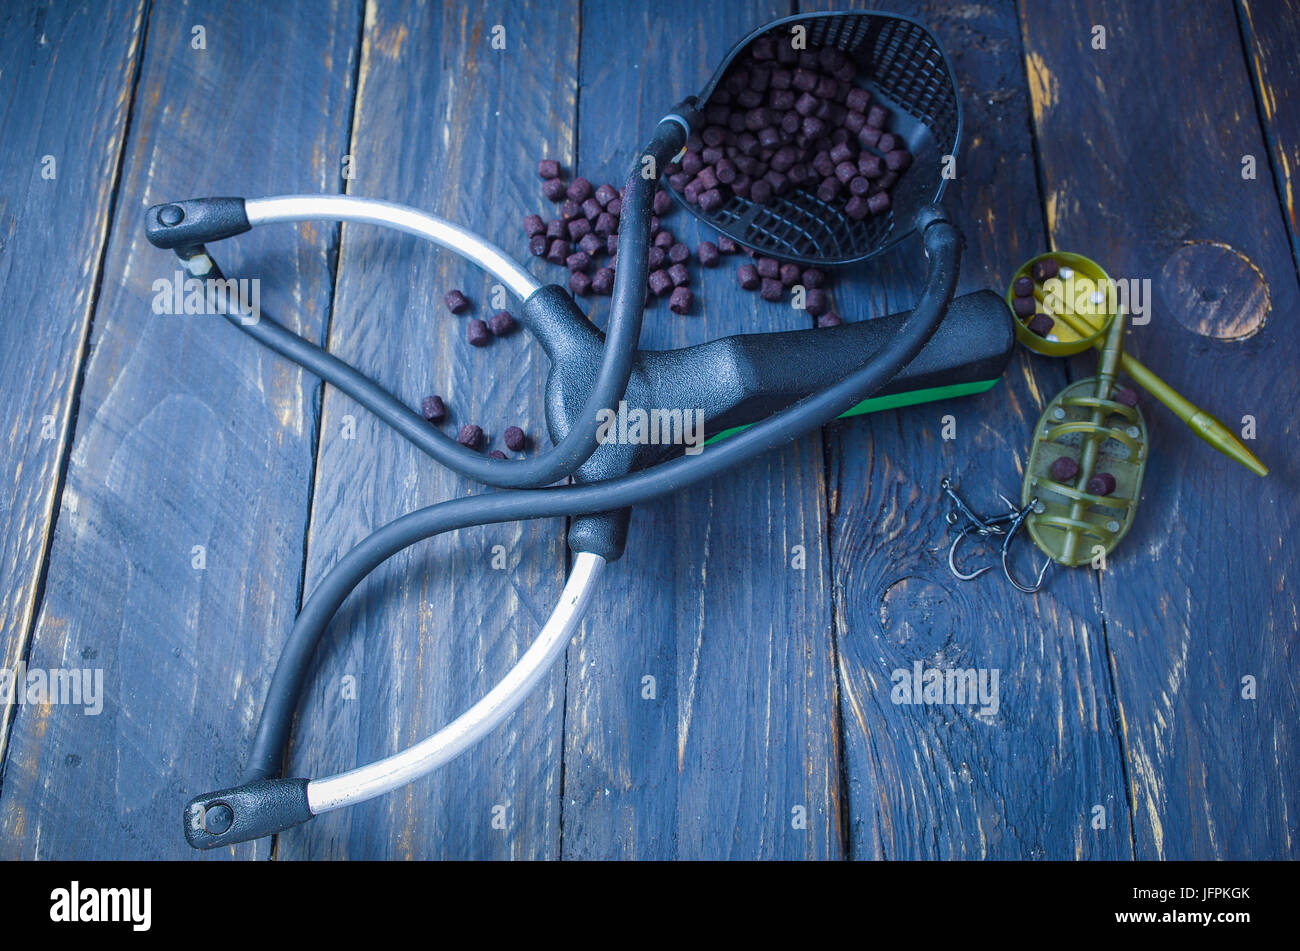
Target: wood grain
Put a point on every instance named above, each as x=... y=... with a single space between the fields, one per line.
x=742 y=727
x=66 y=79
x=187 y=435
x=1197 y=597
x=1271 y=32
x=939 y=781
x=446 y=123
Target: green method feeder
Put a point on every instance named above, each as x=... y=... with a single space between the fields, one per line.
x=1087 y=424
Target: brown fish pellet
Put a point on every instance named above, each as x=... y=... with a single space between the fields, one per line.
x=815 y=302
x=1126 y=395
x=662 y=203
x=1101 y=483
x=553 y=189
x=770 y=289
x=534 y=225
x=1064 y=469
x=711 y=199
x=471 y=436
x=879 y=203
x=579 y=283
x=515 y=439
x=501 y=323
x=768 y=267
x=537 y=245
x=1041 y=325
x=1045 y=269
x=656 y=257
x=570 y=209
x=605 y=194
x=548 y=168
x=578 y=228
x=578 y=261
x=664 y=239
x=558 y=251
x=679 y=253
x=789 y=275
x=1023 y=287
x=433 y=408
x=592 y=244
x=707 y=253
x=898 y=160
x=829 y=319
x=579 y=190
x=456 y=302
x=1024 y=307
x=602 y=282
x=497 y=454
x=555 y=228
x=680 y=274
x=748 y=275
x=726 y=245
x=606 y=224
x=611 y=243
x=858 y=207
x=659 y=282
x=477 y=333
x=680 y=301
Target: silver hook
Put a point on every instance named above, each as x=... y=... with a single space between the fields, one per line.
x=1017 y=521
x=952 y=557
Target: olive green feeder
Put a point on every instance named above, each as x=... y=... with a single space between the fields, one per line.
x=1072 y=526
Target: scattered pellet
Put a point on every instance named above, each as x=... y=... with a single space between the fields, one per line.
x=707 y=252
x=1064 y=469
x=815 y=302
x=789 y=275
x=1041 y=325
x=1045 y=269
x=515 y=439
x=477 y=332
x=548 y=168
x=501 y=323
x=659 y=282
x=497 y=454
x=605 y=194
x=537 y=245
x=770 y=289
x=602 y=282
x=592 y=244
x=1024 y=307
x=748 y=275
x=534 y=225
x=579 y=190
x=579 y=283
x=680 y=274
x=768 y=267
x=556 y=228
x=726 y=245
x=456 y=302
x=680 y=301
x=679 y=253
x=1126 y=395
x=812 y=277
x=433 y=408
x=1101 y=483
x=471 y=436
x=829 y=319
x=578 y=260
x=553 y=189
x=1023 y=287
x=558 y=252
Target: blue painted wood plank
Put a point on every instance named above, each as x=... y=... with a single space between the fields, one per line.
x=63 y=123
x=447 y=123
x=1196 y=600
x=736 y=755
x=187 y=435
x=940 y=781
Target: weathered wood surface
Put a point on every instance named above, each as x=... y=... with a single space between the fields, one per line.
x=1271 y=31
x=742 y=730
x=447 y=123
x=1120 y=688
x=66 y=80
x=940 y=781
x=187 y=435
x=1197 y=599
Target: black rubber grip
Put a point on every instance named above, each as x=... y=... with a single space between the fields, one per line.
x=246 y=812
x=180 y=224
